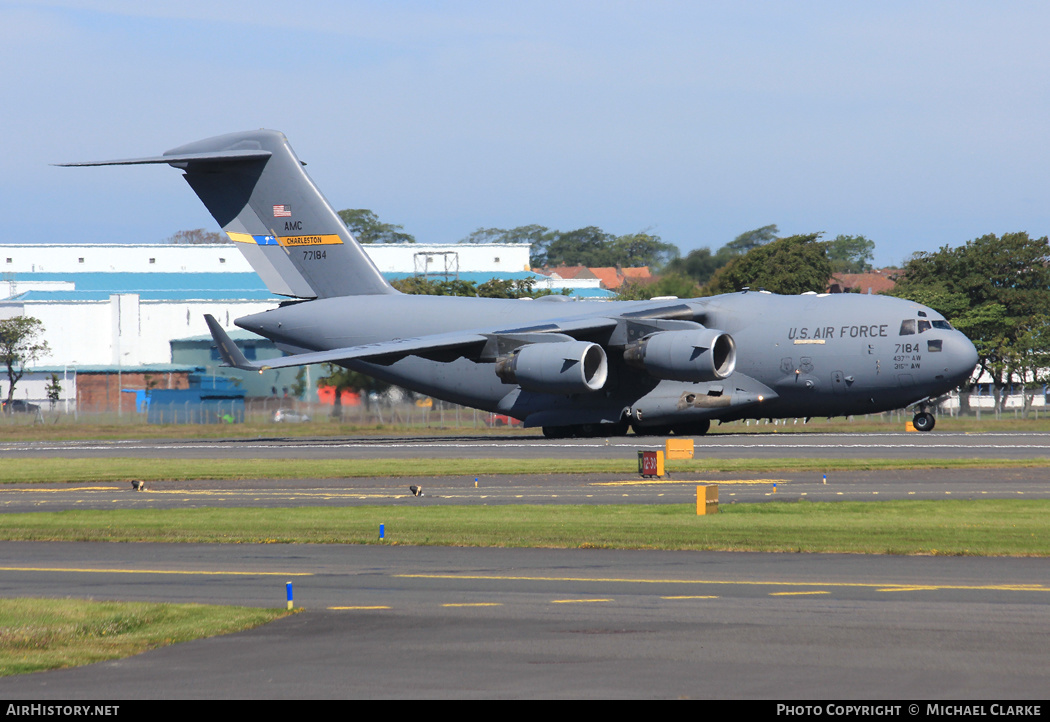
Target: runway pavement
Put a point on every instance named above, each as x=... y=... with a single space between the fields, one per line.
x=735 y=445
x=401 y=622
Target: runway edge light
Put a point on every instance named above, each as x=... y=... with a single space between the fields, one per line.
x=288 y=588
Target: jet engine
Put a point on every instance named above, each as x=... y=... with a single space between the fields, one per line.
x=703 y=354
x=568 y=367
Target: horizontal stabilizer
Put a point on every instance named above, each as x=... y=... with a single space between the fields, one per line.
x=217 y=157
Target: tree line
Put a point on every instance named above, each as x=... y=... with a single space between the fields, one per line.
x=758 y=259
x=590 y=246
x=996 y=290
x=594 y=247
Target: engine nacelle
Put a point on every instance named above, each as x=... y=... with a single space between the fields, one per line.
x=704 y=354
x=569 y=367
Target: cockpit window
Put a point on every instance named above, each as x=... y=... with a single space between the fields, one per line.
x=943 y=325
x=924 y=326
x=907 y=327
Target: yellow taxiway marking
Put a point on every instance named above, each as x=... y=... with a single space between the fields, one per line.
x=621 y=580
x=342 y=609
x=703 y=596
x=998 y=588
x=323 y=494
x=474 y=604
x=794 y=594
x=651 y=482
x=72 y=488
x=578 y=601
x=156 y=571
x=224 y=493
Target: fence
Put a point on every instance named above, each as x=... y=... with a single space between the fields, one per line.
x=281 y=411
x=276 y=411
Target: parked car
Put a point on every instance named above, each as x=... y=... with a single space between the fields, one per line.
x=289 y=416
x=18 y=406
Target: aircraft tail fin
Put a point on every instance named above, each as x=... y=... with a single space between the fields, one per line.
x=255 y=187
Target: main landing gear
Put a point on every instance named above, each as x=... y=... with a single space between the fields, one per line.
x=923 y=421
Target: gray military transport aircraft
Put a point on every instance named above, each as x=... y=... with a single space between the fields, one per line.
x=573 y=368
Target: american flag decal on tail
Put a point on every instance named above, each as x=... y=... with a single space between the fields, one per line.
x=282 y=211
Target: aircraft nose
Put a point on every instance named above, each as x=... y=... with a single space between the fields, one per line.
x=960 y=358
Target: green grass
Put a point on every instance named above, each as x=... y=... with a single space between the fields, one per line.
x=24 y=429
x=40 y=634
x=956 y=527
x=63 y=470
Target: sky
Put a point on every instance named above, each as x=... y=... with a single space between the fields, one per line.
x=915 y=124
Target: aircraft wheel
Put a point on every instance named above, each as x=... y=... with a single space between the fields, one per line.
x=924 y=421
x=587 y=431
x=697 y=428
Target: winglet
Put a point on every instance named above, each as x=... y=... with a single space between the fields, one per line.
x=231 y=355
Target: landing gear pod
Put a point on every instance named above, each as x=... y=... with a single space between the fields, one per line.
x=555 y=368
x=705 y=354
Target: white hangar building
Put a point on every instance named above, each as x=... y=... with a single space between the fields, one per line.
x=397 y=258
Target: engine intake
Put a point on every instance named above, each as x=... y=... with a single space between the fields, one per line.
x=555 y=368
x=704 y=354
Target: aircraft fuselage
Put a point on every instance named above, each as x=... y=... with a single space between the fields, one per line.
x=797 y=356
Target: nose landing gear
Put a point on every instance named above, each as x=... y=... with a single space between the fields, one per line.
x=923 y=421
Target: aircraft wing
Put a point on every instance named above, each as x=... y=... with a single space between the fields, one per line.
x=478 y=343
